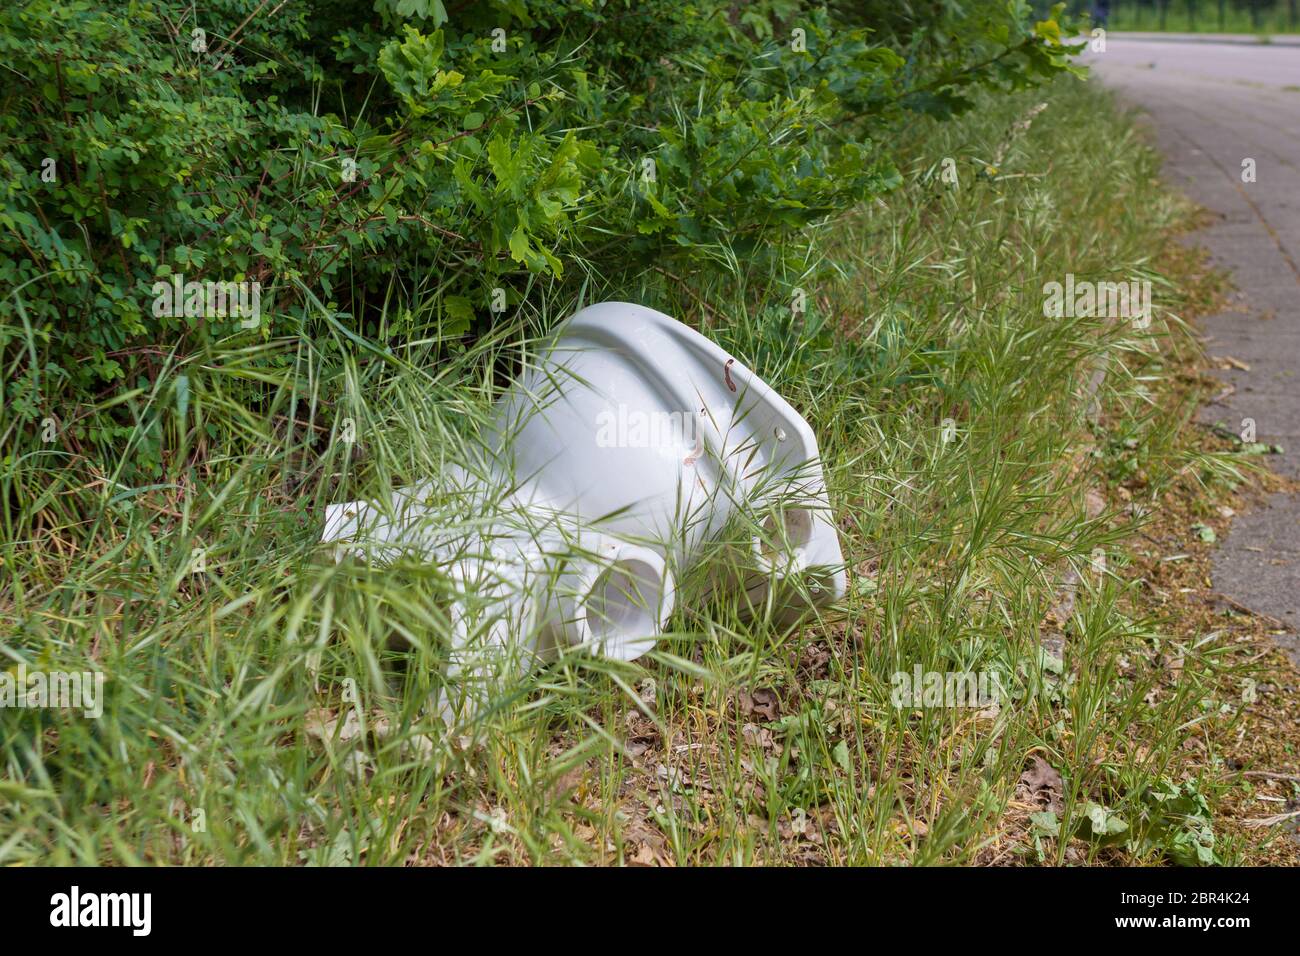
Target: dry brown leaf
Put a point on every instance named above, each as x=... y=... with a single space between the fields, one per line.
x=761 y=702
x=1042 y=785
x=1093 y=503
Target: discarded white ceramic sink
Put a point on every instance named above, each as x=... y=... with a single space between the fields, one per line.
x=612 y=465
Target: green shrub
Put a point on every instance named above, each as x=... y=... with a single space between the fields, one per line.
x=411 y=167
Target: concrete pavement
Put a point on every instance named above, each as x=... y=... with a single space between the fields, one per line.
x=1281 y=39
x=1214 y=106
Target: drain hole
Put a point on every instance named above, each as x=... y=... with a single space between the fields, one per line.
x=624 y=602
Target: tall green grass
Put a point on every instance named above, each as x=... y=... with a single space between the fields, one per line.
x=267 y=705
x=1205 y=16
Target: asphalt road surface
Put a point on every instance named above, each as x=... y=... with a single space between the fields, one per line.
x=1212 y=107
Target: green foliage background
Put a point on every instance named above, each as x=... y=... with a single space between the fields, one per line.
x=496 y=145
